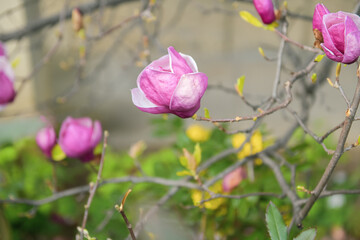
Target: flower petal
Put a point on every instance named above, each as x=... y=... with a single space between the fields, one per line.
x=191 y=62
x=140 y=101
x=162 y=64
x=352 y=49
x=178 y=64
x=336 y=32
x=158 y=86
x=188 y=92
x=320 y=11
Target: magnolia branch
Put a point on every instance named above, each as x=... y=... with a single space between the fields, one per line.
x=350 y=114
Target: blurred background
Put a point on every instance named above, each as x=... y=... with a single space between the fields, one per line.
x=61 y=72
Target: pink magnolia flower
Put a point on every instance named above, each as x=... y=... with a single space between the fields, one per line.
x=265 y=8
x=170 y=84
x=79 y=136
x=7 y=77
x=340 y=34
x=233 y=179
x=46 y=140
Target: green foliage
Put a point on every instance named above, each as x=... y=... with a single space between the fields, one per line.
x=275 y=223
x=309 y=234
x=26 y=173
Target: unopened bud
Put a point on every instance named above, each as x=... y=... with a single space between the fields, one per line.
x=77 y=19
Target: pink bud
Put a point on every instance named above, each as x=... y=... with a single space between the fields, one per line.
x=170 y=84
x=320 y=11
x=341 y=34
x=7 y=77
x=79 y=136
x=46 y=140
x=265 y=8
x=233 y=179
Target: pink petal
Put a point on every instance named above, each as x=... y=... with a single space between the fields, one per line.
x=140 y=101
x=329 y=47
x=161 y=64
x=190 y=61
x=336 y=32
x=96 y=133
x=7 y=94
x=158 y=86
x=320 y=11
x=188 y=92
x=352 y=49
x=178 y=64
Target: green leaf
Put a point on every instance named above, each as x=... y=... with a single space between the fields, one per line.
x=248 y=17
x=197 y=153
x=240 y=85
x=275 y=223
x=207 y=114
x=57 y=153
x=309 y=234
x=319 y=57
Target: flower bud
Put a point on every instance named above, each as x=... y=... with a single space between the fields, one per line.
x=46 y=140
x=7 y=77
x=77 y=19
x=340 y=34
x=170 y=84
x=79 y=136
x=265 y=8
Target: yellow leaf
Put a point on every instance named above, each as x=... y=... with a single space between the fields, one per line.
x=319 y=57
x=197 y=153
x=57 y=153
x=183 y=173
x=240 y=85
x=271 y=26
x=261 y=51
x=248 y=17
x=183 y=162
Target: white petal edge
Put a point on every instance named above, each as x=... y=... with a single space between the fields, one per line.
x=140 y=100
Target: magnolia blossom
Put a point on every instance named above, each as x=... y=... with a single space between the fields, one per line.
x=170 y=84
x=79 y=136
x=7 y=77
x=46 y=140
x=265 y=8
x=233 y=179
x=340 y=34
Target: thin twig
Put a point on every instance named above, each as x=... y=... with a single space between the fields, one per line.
x=121 y=210
x=94 y=187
